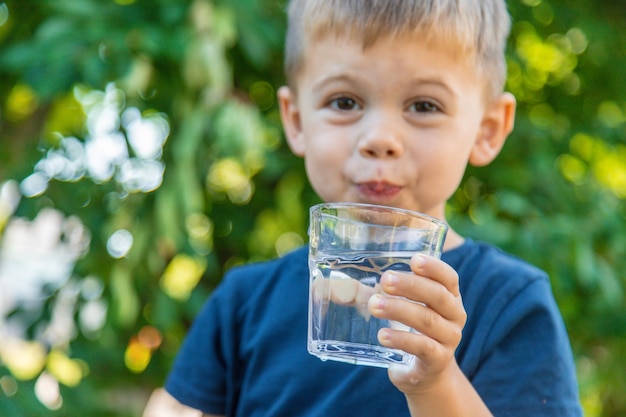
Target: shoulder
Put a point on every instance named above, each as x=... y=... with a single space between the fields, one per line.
x=502 y=294
x=488 y=273
x=251 y=292
x=255 y=282
x=475 y=256
x=514 y=328
x=278 y=265
x=295 y=256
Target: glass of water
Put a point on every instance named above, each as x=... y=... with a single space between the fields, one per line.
x=350 y=247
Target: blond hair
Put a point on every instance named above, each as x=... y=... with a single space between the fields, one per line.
x=476 y=27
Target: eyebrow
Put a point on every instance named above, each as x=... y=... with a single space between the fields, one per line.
x=438 y=82
x=332 y=79
x=347 y=78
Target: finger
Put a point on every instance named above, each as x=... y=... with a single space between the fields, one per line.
x=428 y=350
x=425 y=290
x=436 y=269
x=418 y=317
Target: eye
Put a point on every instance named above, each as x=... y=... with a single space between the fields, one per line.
x=344 y=104
x=424 y=107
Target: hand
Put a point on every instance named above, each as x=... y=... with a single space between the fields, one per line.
x=344 y=290
x=430 y=303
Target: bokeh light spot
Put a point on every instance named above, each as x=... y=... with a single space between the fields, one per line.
x=4 y=14
x=229 y=176
x=262 y=93
x=543 y=13
x=572 y=168
x=48 y=392
x=287 y=242
x=20 y=103
x=542 y=115
x=610 y=114
x=9 y=386
x=182 y=275
x=24 y=359
x=67 y=371
x=137 y=356
x=120 y=243
x=583 y=145
x=578 y=40
x=150 y=337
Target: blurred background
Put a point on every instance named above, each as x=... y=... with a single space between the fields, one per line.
x=141 y=155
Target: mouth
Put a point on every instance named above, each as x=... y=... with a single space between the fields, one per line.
x=378 y=190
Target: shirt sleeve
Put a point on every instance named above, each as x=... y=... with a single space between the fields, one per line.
x=198 y=378
x=527 y=367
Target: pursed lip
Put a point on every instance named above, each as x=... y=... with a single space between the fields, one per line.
x=378 y=190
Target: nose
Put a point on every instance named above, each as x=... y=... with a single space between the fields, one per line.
x=381 y=139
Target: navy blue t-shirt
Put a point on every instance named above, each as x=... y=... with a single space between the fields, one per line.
x=246 y=355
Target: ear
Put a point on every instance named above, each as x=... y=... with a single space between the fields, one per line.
x=495 y=127
x=290 y=116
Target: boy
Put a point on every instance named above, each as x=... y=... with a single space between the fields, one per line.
x=387 y=102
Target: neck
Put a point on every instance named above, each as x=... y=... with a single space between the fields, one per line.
x=453 y=240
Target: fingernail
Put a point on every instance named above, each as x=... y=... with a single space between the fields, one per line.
x=378 y=302
x=419 y=260
x=384 y=335
x=391 y=279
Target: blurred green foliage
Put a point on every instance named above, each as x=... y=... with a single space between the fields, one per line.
x=232 y=193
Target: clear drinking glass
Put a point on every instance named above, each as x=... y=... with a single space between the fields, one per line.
x=351 y=245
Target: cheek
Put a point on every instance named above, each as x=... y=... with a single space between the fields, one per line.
x=442 y=169
x=323 y=180
x=327 y=147
x=326 y=165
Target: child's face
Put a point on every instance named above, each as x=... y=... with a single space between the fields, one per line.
x=393 y=124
